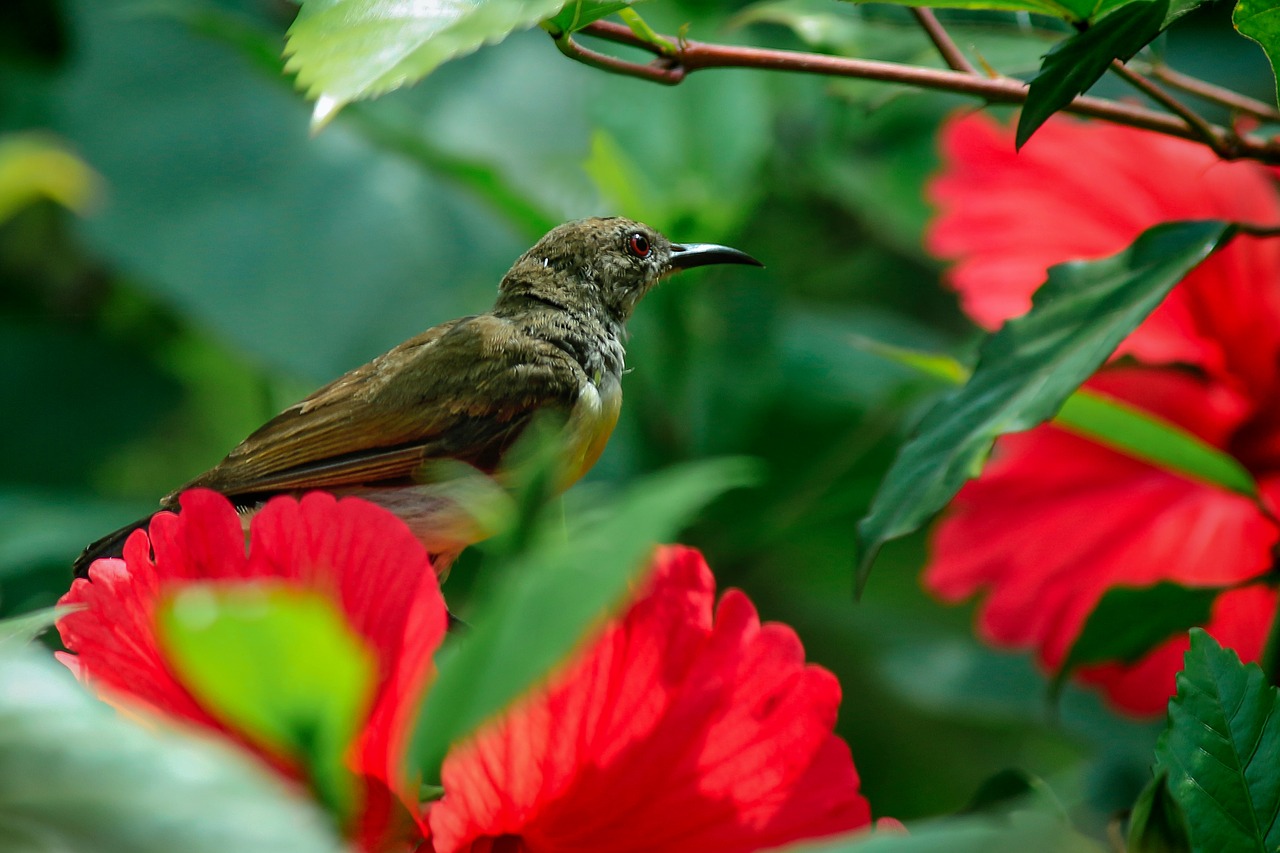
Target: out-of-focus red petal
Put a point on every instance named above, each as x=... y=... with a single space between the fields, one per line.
x=1056 y=520
x=1079 y=191
x=678 y=731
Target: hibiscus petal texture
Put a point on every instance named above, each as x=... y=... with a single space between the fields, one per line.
x=361 y=556
x=1056 y=520
x=683 y=727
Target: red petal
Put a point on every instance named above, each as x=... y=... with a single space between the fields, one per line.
x=675 y=732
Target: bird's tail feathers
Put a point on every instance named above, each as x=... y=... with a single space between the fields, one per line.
x=111 y=545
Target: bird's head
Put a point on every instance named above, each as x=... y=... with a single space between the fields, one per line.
x=606 y=264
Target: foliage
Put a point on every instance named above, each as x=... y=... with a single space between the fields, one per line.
x=188 y=246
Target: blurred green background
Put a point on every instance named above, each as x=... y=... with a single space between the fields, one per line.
x=223 y=263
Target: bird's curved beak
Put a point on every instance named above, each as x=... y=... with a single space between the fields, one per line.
x=688 y=255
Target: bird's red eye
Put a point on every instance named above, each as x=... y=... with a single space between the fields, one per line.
x=638 y=245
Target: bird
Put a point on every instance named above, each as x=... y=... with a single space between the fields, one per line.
x=464 y=391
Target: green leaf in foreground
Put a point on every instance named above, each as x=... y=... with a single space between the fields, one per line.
x=1219 y=750
x=1129 y=622
x=550 y=598
x=280 y=664
x=1078 y=62
x=76 y=777
x=1028 y=368
x=1260 y=21
x=345 y=50
x=1157 y=825
x=28 y=626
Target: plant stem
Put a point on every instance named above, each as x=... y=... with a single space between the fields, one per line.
x=1220 y=141
x=949 y=50
x=1215 y=94
x=695 y=56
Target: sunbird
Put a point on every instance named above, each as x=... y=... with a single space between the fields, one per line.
x=465 y=390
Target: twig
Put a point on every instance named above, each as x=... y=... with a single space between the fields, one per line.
x=950 y=51
x=1219 y=140
x=1214 y=94
x=694 y=56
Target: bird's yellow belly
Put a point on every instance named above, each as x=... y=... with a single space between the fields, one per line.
x=590 y=424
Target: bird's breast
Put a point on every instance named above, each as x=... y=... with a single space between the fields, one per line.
x=590 y=424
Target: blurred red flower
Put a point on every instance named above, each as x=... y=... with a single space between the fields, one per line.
x=679 y=728
x=1055 y=520
x=685 y=727
x=361 y=556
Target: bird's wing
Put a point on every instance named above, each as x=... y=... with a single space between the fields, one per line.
x=461 y=390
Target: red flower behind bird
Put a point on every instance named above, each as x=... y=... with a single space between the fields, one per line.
x=676 y=730
x=1055 y=520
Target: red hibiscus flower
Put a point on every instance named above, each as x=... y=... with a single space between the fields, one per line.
x=360 y=556
x=1056 y=520
x=684 y=727
x=674 y=730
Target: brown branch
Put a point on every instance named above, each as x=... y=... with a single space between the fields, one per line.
x=695 y=56
x=1222 y=142
x=1214 y=94
x=949 y=50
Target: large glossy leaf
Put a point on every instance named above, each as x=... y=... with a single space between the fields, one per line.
x=1220 y=749
x=551 y=598
x=1260 y=21
x=1028 y=368
x=76 y=777
x=345 y=50
x=1078 y=62
x=279 y=664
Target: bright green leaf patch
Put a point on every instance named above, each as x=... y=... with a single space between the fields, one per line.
x=550 y=598
x=76 y=776
x=1028 y=368
x=1219 y=750
x=345 y=50
x=1078 y=62
x=35 y=166
x=1260 y=21
x=279 y=664
x=576 y=14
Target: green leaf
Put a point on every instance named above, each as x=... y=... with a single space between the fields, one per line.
x=36 y=166
x=76 y=777
x=1144 y=436
x=345 y=50
x=1219 y=750
x=28 y=626
x=1107 y=421
x=1260 y=21
x=1130 y=622
x=576 y=14
x=1156 y=824
x=280 y=664
x=1078 y=62
x=550 y=598
x=1028 y=368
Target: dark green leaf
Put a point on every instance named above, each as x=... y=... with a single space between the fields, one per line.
x=281 y=665
x=550 y=598
x=345 y=50
x=1260 y=21
x=1012 y=788
x=1027 y=370
x=1157 y=825
x=1078 y=62
x=76 y=777
x=1128 y=623
x=1219 y=750
x=28 y=626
